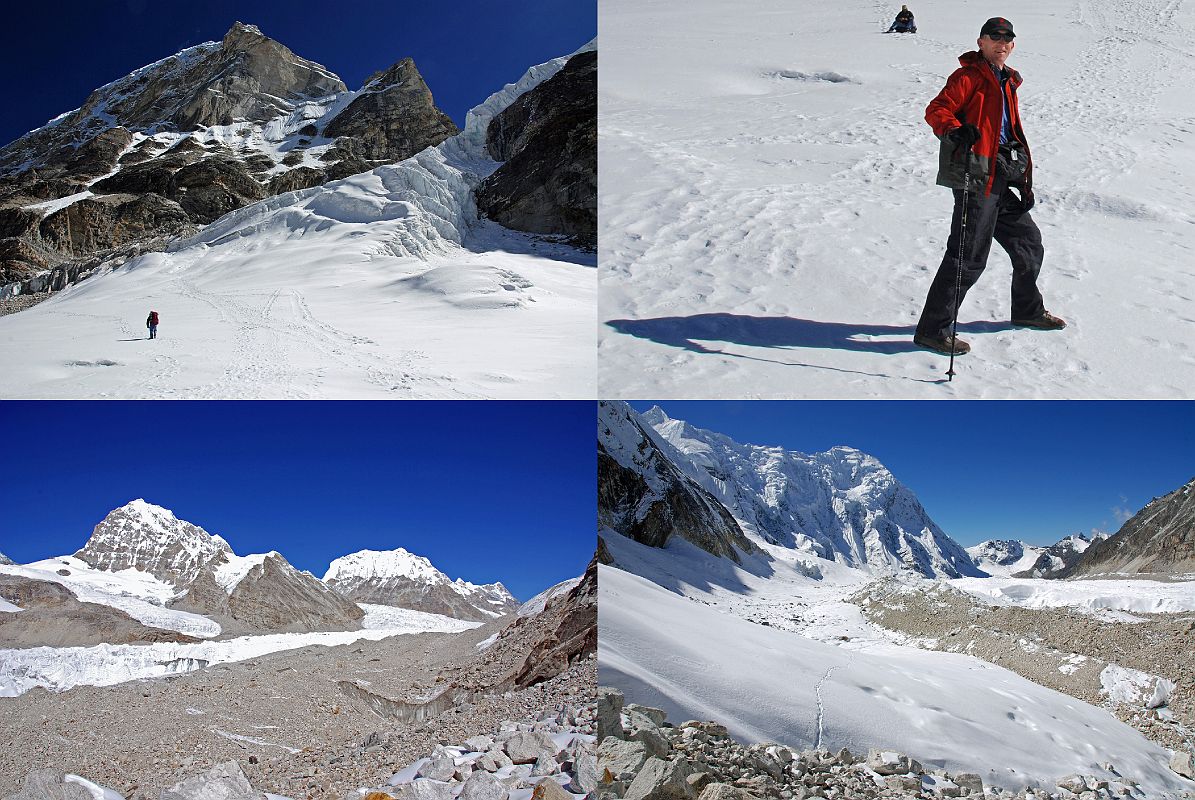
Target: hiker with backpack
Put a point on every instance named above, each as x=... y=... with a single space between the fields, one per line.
x=904 y=22
x=151 y=322
x=983 y=157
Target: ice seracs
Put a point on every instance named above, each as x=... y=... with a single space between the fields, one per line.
x=401 y=578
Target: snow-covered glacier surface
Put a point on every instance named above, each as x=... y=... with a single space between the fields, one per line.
x=382 y=285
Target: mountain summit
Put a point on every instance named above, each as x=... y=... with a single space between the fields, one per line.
x=141 y=535
x=841 y=505
x=183 y=141
x=400 y=578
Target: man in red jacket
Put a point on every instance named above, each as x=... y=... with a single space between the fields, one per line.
x=984 y=150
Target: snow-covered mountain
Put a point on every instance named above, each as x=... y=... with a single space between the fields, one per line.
x=1053 y=561
x=401 y=578
x=143 y=536
x=5 y=559
x=260 y=592
x=841 y=505
x=1004 y=556
x=1159 y=538
x=644 y=494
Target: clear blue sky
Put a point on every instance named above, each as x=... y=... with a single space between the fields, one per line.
x=1035 y=471
x=486 y=491
x=57 y=53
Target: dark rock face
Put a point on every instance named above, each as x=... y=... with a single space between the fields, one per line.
x=570 y=632
x=395 y=118
x=102 y=223
x=297 y=178
x=209 y=189
x=1159 y=539
x=548 y=139
x=651 y=501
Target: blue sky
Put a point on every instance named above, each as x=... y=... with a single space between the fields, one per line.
x=59 y=52
x=486 y=491
x=1035 y=471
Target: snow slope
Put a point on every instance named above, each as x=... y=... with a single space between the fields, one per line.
x=697 y=651
x=60 y=668
x=381 y=285
x=138 y=594
x=770 y=223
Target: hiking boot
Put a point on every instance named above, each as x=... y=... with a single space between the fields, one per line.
x=942 y=344
x=1044 y=322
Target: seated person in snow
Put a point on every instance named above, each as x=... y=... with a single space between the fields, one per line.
x=903 y=22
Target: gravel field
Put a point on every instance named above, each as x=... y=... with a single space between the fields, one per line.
x=300 y=723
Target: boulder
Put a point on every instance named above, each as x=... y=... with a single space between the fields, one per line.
x=526 y=747
x=423 y=789
x=724 y=791
x=548 y=789
x=1180 y=762
x=609 y=713
x=660 y=779
x=622 y=759
x=481 y=785
x=48 y=784
x=438 y=768
x=224 y=781
x=888 y=762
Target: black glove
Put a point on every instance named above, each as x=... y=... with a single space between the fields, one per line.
x=1027 y=200
x=965 y=135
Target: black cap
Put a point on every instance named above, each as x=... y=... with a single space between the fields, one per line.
x=997 y=25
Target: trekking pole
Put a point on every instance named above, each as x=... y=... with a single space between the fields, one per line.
x=958 y=271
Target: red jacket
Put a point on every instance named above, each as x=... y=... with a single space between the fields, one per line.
x=972 y=95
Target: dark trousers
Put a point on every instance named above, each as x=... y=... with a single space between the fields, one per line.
x=998 y=216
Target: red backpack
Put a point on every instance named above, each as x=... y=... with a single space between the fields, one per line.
x=153 y=318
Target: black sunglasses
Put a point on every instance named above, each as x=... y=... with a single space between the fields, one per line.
x=1001 y=37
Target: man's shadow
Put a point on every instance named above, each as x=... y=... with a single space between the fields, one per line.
x=686 y=333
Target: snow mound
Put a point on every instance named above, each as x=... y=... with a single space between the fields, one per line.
x=380 y=617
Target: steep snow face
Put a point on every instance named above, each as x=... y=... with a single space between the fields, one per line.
x=401 y=578
x=540 y=601
x=143 y=536
x=841 y=505
x=5 y=559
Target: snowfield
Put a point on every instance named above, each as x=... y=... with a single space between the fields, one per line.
x=770 y=224
x=778 y=656
x=382 y=285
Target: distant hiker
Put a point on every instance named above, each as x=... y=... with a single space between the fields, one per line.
x=977 y=119
x=904 y=22
x=151 y=322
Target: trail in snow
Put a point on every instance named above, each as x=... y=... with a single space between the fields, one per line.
x=768 y=235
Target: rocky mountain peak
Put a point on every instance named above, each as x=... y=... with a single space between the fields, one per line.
x=242 y=37
x=144 y=536
x=5 y=559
